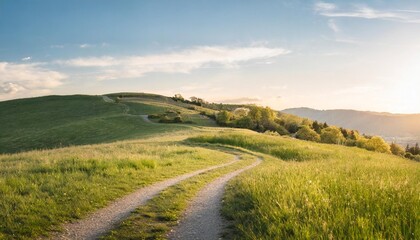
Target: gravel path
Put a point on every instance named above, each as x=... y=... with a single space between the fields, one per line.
x=146 y=118
x=107 y=99
x=202 y=220
x=105 y=219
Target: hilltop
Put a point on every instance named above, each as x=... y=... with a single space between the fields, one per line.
x=57 y=121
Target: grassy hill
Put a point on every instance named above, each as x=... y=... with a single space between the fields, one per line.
x=320 y=191
x=56 y=121
x=302 y=189
x=400 y=128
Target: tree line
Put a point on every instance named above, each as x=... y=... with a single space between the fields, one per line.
x=265 y=119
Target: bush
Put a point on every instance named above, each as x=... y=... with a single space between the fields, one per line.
x=332 y=135
x=282 y=130
x=153 y=116
x=306 y=133
x=223 y=117
x=377 y=144
x=397 y=149
x=271 y=133
x=292 y=127
x=245 y=122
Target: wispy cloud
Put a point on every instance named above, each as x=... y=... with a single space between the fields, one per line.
x=183 y=61
x=241 y=100
x=331 y=10
x=16 y=78
x=85 y=45
x=333 y=25
x=324 y=7
x=26 y=58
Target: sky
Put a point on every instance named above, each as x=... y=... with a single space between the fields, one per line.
x=362 y=55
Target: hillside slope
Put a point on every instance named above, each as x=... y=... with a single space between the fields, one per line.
x=54 y=121
x=403 y=128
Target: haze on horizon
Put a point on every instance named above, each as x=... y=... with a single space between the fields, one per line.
x=362 y=55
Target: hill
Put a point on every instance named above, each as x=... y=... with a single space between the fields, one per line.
x=54 y=121
x=401 y=128
x=325 y=190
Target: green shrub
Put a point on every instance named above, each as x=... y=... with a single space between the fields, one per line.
x=332 y=135
x=397 y=149
x=377 y=144
x=306 y=133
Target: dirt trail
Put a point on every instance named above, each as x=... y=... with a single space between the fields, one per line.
x=146 y=118
x=107 y=99
x=202 y=220
x=105 y=219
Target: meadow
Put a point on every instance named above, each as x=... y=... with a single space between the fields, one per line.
x=41 y=189
x=303 y=190
x=59 y=121
x=317 y=191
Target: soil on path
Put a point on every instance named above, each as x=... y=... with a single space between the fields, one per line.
x=146 y=118
x=203 y=220
x=105 y=219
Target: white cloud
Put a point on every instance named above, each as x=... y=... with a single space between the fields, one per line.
x=177 y=62
x=85 y=45
x=241 y=100
x=26 y=58
x=16 y=78
x=324 y=6
x=331 y=10
x=333 y=25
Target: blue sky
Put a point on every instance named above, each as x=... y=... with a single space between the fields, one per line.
x=323 y=54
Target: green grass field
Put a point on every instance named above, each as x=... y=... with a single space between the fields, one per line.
x=321 y=191
x=56 y=121
x=303 y=190
x=42 y=189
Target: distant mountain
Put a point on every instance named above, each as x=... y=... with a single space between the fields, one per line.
x=401 y=128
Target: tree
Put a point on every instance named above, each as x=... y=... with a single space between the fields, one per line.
x=241 y=112
x=292 y=127
x=416 y=149
x=178 y=97
x=332 y=135
x=282 y=130
x=377 y=144
x=306 y=133
x=255 y=115
x=245 y=122
x=344 y=132
x=316 y=126
x=223 y=117
x=397 y=149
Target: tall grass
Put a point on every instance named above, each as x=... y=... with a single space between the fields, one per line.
x=41 y=189
x=281 y=147
x=330 y=192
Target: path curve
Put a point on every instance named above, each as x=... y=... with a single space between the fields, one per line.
x=107 y=99
x=105 y=219
x=146 y=118
x=202 y=220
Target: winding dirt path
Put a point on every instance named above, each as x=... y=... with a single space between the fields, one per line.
x=202 y=220
x=146 y=118
x=105 y=219
x=107 y=99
